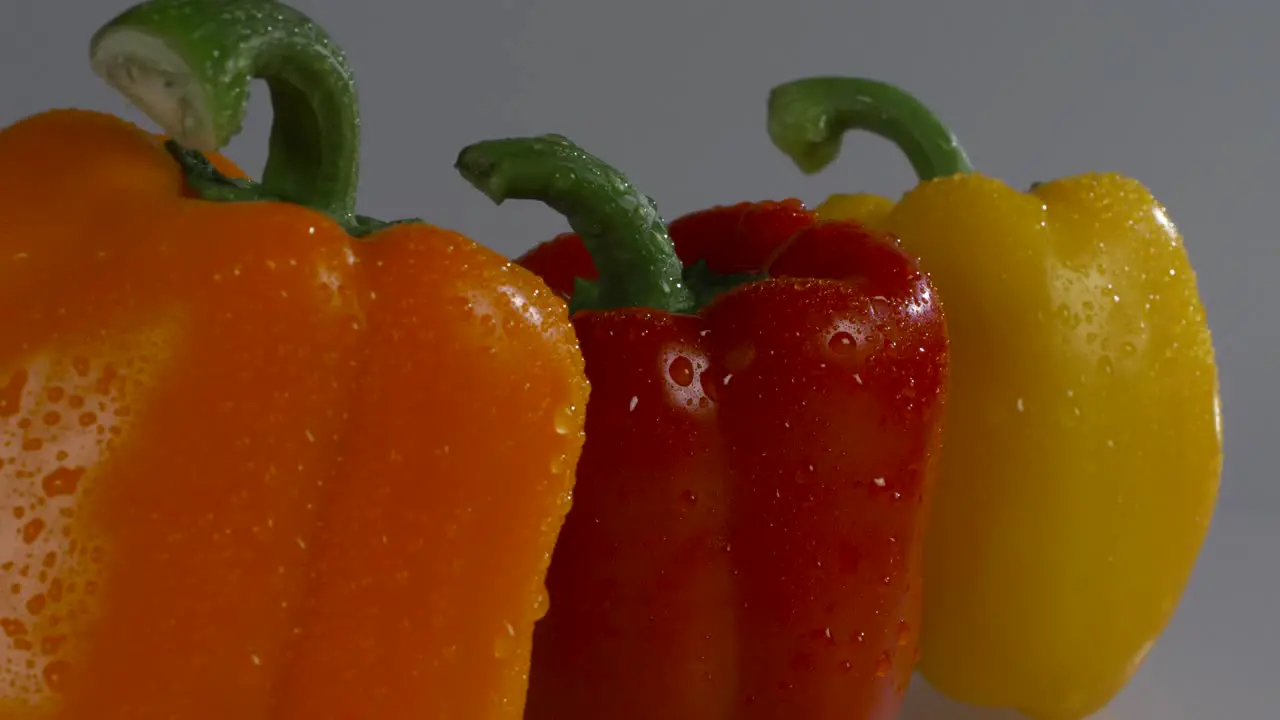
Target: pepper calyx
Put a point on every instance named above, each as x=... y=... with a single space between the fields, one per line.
x=211 y=184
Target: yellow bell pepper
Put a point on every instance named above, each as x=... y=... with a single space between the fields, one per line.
x=1083 y=445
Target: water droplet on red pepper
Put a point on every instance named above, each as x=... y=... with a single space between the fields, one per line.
x=842 y=343
x=708 y=382
x=681 y=371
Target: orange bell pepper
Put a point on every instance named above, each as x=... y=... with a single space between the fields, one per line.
x=256 y=469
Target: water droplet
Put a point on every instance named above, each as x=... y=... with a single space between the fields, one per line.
x=55 y=675
x=36 y=603
x=635 y=400
x=561 y=464
x=504 y=644
x=11 y=393
x=566 y=419
x=689 y=497
x=32 y=530
x=709 y=391
x=13 y=628
x=1021 y=407
x=63 y=481
x=681 y=371
x=879 y=482
x=884 y=665
x=52 y=644
x=842 y=343
x=1128 y=348
x=1105 y=365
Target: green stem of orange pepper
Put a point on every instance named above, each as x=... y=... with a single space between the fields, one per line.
x=188 y=65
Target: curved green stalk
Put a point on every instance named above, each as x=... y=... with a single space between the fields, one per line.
x=618 y=224
x=188 y=65
x=808 y=118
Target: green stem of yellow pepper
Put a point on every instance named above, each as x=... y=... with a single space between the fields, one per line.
x=809 y=117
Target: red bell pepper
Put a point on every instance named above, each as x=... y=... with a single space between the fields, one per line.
x=767 y=393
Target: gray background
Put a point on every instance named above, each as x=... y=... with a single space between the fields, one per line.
x=1181 y=95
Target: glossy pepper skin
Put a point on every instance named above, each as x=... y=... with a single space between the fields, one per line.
x=256 y=468
x=1081 y=459
x=747 y=527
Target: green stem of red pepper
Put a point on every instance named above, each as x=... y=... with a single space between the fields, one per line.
x=809 y=117
x=619 y=225
x=188 y=65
